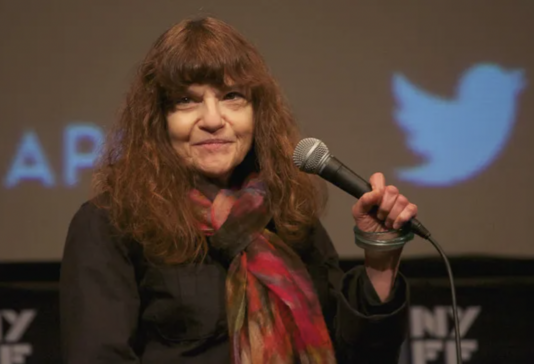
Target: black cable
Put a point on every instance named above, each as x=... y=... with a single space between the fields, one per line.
x=453 y=296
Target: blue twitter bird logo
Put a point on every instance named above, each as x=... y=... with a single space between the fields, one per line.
x=457 y=138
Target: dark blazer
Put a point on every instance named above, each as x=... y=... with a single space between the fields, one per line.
x=117 y=309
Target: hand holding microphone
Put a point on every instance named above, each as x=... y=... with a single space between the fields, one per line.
x=379 y=207
x=383 y=208
x=379 y=210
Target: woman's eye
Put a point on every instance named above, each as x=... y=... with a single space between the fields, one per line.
x=233 y=96
x=184 y=100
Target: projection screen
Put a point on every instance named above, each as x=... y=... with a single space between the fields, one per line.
x=434 y=94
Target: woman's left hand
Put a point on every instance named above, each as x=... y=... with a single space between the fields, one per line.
x=392 y=211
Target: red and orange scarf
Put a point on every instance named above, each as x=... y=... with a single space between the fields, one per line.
x=273 y=313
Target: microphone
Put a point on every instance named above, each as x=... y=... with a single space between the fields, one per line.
x=312 y=156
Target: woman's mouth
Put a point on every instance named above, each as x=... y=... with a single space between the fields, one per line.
x=213 y=144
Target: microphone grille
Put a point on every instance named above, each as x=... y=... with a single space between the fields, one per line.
x=309 y=154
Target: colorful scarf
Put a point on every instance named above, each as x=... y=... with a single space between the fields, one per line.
x=273 y=313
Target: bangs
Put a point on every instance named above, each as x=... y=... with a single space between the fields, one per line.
x=199 y=54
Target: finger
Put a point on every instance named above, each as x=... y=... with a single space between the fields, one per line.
x=367 y=202
x=377 y=181
x=400 y=204
x=388 y=200
x=408 y=213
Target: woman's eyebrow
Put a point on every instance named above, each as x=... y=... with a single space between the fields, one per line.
x=191 y=93
x=234 y=86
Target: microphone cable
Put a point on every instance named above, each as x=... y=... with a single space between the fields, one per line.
x=453 y=297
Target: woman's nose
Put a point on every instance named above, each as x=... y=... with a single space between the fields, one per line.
x=211 y=118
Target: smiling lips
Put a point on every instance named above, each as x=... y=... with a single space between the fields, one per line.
x=213 y=144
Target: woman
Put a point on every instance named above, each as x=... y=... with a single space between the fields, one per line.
x=203 y=242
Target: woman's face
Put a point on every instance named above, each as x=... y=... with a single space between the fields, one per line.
x=212 y=129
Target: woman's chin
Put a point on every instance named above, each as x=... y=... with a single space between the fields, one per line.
x=220 y=174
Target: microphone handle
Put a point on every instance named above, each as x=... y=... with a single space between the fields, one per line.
x=341 y=176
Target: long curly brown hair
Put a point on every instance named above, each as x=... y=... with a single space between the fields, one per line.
x=146 y=184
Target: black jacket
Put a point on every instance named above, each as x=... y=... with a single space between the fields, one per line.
x=117 y=309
